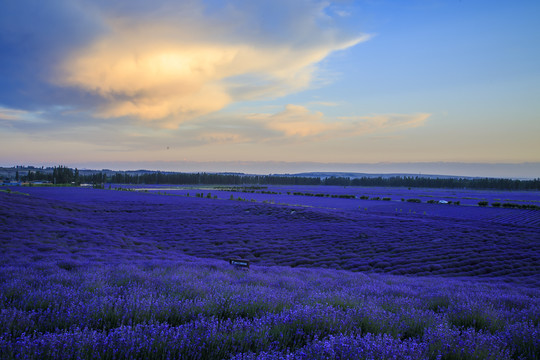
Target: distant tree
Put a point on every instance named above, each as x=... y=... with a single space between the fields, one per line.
x=76 y=178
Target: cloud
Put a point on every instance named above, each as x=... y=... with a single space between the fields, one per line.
x=343 y=13
x=35 y=35
x=183 y=60
x=325 y=103
x=13 y=116
x=386 y=122
x=222 y=137
x=298 y=122
x=294 y=124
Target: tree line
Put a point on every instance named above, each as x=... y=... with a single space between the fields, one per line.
x=65 y=175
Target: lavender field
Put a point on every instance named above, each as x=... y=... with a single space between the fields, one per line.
x=142 y=273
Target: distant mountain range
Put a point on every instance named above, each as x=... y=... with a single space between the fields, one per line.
x=361 y=175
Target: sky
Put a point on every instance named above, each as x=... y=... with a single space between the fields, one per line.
x=337 y=82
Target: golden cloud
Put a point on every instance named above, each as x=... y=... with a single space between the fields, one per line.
x=155 y=71
x=299 y=122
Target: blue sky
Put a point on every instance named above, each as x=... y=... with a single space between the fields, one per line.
x=298 y=81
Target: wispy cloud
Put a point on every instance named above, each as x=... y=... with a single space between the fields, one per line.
x=386 y=122
x=11 y=116
x=324 y=103
x=343 y=13
x=292 y=125
x=299 y=122
x=296 y=121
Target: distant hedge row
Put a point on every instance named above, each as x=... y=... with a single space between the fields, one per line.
x=513 y=206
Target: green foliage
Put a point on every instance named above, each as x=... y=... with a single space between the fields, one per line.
x=521 y=206
x=475 y=318
x=9 y=191
x=438 y=303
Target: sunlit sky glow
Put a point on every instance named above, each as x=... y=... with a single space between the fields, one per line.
x=297 y=81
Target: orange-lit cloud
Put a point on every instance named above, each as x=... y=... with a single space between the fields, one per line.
x=167 y=70
x=299 y=122
x=296 y=121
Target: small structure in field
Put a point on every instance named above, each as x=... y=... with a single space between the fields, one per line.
x=240 y=263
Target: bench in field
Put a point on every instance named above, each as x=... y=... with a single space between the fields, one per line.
x=240 y=263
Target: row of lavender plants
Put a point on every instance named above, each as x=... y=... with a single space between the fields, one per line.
x=204 y=309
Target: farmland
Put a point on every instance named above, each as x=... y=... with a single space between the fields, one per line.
x=338 y=272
